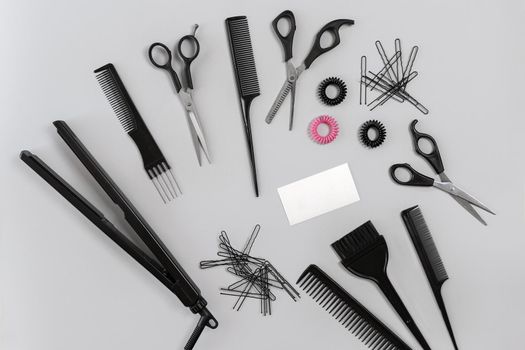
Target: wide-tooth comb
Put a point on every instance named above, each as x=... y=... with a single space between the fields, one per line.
x=348 y=311
x=246 y=77
x=156 y=166
x=429 y=257
x=364 y=253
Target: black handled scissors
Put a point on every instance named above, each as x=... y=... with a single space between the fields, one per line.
x=435 y=161
x=292 y=72
x=184 y=92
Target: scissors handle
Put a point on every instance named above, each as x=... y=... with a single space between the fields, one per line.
x=416 y=178
x=286 y=40
x=160 y=47
x=331 y=27
x=433 y=158
x=188 y=59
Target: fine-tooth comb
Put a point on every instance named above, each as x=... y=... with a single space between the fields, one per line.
x=348 y=311
x=364 y=253
x=246 y=77
x=429 y=257
x=156 y=166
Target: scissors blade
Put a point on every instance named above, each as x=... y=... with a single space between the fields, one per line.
x=194 y=140
x=199 y=142
x=452 y=189
x=285 y=90
x=292 y=107
x=197 y=131
x=466 y=205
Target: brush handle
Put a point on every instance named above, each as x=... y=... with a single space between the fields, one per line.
x=444 y=314
x=390 y=292
x=249 y=140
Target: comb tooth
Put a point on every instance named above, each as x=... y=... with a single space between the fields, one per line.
x=333 y=307
x=156 y=184
x=341 y=311
x=374 y=337
x=327 y=300
x=356 y=324
x=156 y=177
x=344 y=316
x=369 y=335
x=341 y=305
x=350 y=319
x=323 y=295
x=322 y=287
x=313 y=288
x=303 y=279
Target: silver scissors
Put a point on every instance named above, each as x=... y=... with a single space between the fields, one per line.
x=292 y=72
x=185 y=93
x=434 y=159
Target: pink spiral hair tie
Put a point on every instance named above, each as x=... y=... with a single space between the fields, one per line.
x=333 y=129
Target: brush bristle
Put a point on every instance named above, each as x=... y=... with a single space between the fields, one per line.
x=348 y=311
x=427 y=242
x=242 y=53
x=117 y=96
x=356 y=241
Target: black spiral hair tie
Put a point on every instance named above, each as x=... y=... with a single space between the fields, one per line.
x=341 y=91
x=372 y=125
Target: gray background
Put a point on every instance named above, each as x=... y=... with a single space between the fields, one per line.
x=64 y=285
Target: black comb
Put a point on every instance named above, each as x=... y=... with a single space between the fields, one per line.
x=246 y=77
x=429 y=257
x=156 y=166
x=364 y=253
x=348 y=311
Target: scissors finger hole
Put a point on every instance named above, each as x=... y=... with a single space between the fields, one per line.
x=403 y=175
x=425 y=145
x=327 y=39
x=159 y=55
x=189 y=47
x=284 y=26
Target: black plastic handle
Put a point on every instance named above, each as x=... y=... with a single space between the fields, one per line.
x=166 y=66
x=188 y=59
x=391 y=294
x=434 y=157
x=416 y=179
x=331 y=27
x=286 y=40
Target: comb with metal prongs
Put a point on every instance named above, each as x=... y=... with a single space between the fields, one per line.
x=156 y=166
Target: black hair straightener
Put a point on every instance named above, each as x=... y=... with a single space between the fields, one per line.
x=167 y=270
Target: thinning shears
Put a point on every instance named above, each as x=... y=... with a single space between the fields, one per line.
x=292 y=72
x=184 y=92
x=434 y=159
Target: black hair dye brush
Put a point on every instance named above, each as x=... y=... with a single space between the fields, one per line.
x=429 y=257
x=364 y=253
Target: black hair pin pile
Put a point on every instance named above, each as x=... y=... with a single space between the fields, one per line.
x=257 y=275
x=392 y=80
